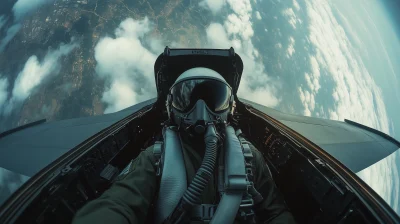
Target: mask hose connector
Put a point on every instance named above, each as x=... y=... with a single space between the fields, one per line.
x=192 y=195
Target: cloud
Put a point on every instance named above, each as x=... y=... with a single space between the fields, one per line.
x=239 y=26
x=3 y=90
x=291 y=16
x=349 y=29
x=308 y=101
x=258 y=15
x=383 y=177
x=3 y=20
x=355 y=94
x=237 y=31
x=383 y=47
x=23 y=7
x=20 y=9
x=218 y=37
x=240 y=7
x=290 y=50
x=126 y=63
x=34 y=73
x=11 y=32
x=296 y=5
x=312 y=78
x=213 y=5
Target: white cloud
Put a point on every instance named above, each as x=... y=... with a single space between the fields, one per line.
x=217 y=36
x=213 y=5
x=308 y=100
x=290 y=50
x=291 y=16
x=237 y=31
x=239 y=26
x=34 y=73
x=356 y=95
x=3 y=20
x=384 y=48
x=126 y=64
x=20 y=9
x=23 y=7
x=312 y=78
x=258 y=15
x=296 y=5
x=11 y=32
x=240 y=7
x=383 y=177
x=3 y=90
x=278 y=45
x=350 y=30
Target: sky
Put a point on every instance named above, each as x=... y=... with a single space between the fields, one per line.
x=328 y=59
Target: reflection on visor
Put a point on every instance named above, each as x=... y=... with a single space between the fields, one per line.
x=215 y=94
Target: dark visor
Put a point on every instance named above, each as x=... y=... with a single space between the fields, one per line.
x=215 y=94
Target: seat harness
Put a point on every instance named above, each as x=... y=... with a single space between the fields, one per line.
x=235 y=182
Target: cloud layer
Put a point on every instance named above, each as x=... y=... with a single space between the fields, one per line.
x=33 y=74
x=237 y=31
x=213 y=5
x=125 y=62
x=356 y=95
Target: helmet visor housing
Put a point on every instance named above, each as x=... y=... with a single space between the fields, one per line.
x=214 y=93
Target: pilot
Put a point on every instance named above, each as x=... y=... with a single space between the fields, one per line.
x=199 y=96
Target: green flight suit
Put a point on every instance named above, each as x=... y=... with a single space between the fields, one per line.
x=129 y=198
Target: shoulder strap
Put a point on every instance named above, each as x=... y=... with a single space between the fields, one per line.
x=171 y=173
x=248 y=155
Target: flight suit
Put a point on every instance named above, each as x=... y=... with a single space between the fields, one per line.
x=130 y=197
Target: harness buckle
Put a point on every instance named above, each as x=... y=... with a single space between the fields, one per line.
x=203 y=212
x=157 y=151
x=246 y=203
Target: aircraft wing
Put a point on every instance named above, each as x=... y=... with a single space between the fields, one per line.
x=27 y=150
x=354 y=145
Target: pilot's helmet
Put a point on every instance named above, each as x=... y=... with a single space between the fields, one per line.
x=200 y=87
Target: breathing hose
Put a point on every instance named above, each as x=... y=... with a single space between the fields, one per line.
x=193 y=193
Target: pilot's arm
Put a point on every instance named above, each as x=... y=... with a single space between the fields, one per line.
x=128 y=199
x=272 y=209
